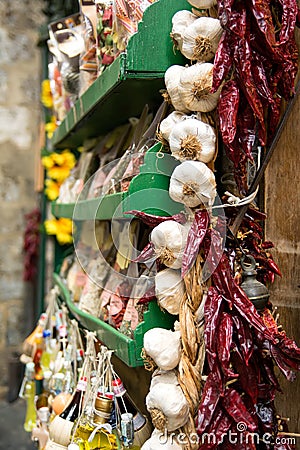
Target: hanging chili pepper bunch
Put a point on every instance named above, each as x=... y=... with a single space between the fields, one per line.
x=31 y=244
x=256 y=61
x=241 y=349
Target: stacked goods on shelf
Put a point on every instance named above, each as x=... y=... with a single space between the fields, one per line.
x=84 y=44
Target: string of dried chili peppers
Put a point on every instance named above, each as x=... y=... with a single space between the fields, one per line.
x=257 y=62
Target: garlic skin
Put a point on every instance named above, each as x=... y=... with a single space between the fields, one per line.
x=168 y=406
x=161 y=440
x=194 y=88
x=169 y=240
x=164 y=347
x=172 y=78
x=193 y=183
x=169 y=290
x=200 y=39
x=168 y=123
x=163 y=376
x=180 y=21
x=193 y=140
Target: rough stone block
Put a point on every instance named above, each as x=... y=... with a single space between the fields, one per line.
x=14 y=332
x=15 y=125
x=11 y=286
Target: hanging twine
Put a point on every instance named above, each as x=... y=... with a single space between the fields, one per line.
x=193 y=350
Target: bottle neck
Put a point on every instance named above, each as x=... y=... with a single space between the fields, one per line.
x=119 y=389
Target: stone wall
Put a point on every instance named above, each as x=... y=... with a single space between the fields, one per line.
x=20 y=114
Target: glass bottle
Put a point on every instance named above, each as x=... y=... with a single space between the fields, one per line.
x=47 y=358
x=29 y=395
x=125 y=405
x=72 y=411
x=44 y=398
x=39 y=344
x=40 y=434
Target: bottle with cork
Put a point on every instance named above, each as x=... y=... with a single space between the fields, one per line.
x=134 y=427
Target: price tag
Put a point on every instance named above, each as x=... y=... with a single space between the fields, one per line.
x=131 y=315
x=81 y=279
x=115 y=305
x=104 y=298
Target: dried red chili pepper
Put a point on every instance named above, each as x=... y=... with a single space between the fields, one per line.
x=146 y=254
x=195 y=237
x=267 y=369
x=285 y=364
x=246 y=124
x=235 y=408
x=288 y=20
x=224 y=341
x=273 y=266
x=263 y=16
x=248 y=376
x=266 y=391
x=228 y=109
x=242 y=60
x=226 y=286
x=212 y=391
x=224 y=10
x=212 y=312
x=152 y=220
x=286 y=83
x=218 y=428
x=267 y=244
x=223 y=60
x=260 y=78
x=235 y=20
x=244 y=337
x=288 y=346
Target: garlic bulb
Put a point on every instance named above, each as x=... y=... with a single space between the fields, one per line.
x=180 y=21
x=164 y=347
x=200 y=39
x=163 y=376
x=192 y=183
x=172 y=77
x=193 y=140
x=194 y=88
x=169 y=290
x=168 y=123
x=169 y=240
x=161 y=440
x=202 y=4
x=168 y=406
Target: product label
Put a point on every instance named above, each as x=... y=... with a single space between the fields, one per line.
x=105 y=297
x=81 y=279
x=131 y=315
x=81 y=386
x=115 y=305
x=138 y=421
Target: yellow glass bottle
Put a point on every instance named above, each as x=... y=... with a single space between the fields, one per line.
x=29 y=395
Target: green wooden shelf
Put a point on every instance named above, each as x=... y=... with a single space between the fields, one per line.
x=148 y=192
x=127 y=349
x=131 y=81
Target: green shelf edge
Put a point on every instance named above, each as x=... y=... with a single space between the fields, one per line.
x=102 y=208
x=132 y=76
x=127 y=349
x=148 y=192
